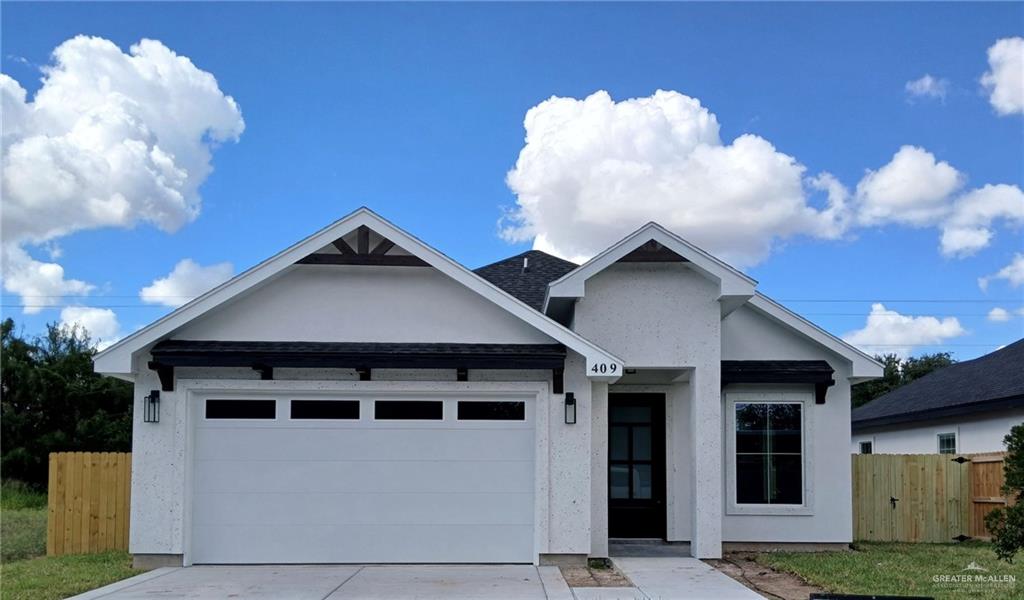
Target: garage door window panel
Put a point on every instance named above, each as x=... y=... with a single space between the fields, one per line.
x=470 y=410
x=408 y=410
x=325 y=409
x=241 y=409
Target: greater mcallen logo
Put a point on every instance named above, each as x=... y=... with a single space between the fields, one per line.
x=975 y=576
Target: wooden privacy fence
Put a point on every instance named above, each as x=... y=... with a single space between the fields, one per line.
x=924 y=497
x=88 y=502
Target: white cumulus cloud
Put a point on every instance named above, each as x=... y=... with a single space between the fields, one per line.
x=927 y=86
x=39 y=284
x=111 y=139
x=914 y=189
x=594 y=169
x=1012 y=273
x=187 y=280
x=100 y=323
x=1005 y=78
x=969 y=226
x=888 y=332
x=998 y=315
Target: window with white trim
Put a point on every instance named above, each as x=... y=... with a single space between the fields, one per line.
x=947 y=443
x=866 y=447
x=769 y=461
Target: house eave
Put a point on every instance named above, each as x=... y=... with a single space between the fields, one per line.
x=973 y=408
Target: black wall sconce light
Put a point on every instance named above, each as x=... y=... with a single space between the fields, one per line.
x=151 y=407
x=570 y=408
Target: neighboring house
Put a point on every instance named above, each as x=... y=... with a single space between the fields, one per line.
x=967 y=407
x=360 y=397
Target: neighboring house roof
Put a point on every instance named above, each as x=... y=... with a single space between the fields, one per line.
x=117 y=359
x=992 y=382
x=526 y=276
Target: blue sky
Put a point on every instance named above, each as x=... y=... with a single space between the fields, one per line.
x=418 y=112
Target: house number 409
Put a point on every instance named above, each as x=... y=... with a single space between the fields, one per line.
x=604 y=368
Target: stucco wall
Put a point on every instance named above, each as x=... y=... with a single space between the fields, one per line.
x=333 y=303
x=651 y=314
x=983 y=433
x=749 y=335
x=666 y=315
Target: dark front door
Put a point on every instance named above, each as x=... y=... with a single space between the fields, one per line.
x=636 y=465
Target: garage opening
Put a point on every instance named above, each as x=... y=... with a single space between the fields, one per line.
x=317 y=479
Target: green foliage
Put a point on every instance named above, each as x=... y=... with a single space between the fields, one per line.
x=1007 y=525
x=898 y=372
x=17 y=495
x=22 y=534
x=55 y=577
x=52 y=401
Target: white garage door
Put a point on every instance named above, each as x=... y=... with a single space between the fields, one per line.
x=294 y=479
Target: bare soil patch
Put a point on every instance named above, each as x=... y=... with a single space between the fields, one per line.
x=778 y=585
x=595 y=577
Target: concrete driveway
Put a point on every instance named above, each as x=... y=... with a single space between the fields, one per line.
x=341 y=582
x=653 y=578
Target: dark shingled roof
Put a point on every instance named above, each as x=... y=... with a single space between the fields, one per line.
x=991 y=382
x=530 y=285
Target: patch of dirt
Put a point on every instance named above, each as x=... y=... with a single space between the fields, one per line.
x=742 y=567
x=595 y=577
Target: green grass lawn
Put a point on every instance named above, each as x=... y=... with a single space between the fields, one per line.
x=55 y=577
x=22 y=521
x=26 y=573
x=907 y=569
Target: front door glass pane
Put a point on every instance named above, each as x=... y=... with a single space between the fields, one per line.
x=619 y=480
x=642 y=482
x=619 y=448
x=641 y=443
x=631 y=414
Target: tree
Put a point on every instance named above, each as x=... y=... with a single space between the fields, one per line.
x=53 y=401
x=898 y=372
x=1007 y=524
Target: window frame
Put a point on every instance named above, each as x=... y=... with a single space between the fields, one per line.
x=806 y=401
x=956 y=442
x=871 y=446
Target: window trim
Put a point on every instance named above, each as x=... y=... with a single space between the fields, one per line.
x=956 y=441
x=860 y=446
x=752 y=396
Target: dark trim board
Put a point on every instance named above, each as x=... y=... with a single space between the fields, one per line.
x=816 y=372
x=973 y=409
x=372 y=260
x=266 y=356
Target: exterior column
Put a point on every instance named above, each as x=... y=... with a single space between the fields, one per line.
x=706 y=474
x=599 y=470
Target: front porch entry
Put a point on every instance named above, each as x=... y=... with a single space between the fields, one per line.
x=636 y=465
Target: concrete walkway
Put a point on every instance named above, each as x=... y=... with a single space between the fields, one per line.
x=654 y=578
x=662 y=578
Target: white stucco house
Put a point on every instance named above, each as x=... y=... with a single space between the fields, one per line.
x=965 y=408
x=360 y=397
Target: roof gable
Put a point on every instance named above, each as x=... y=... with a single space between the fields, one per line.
x=117 y=359
x=735 y=287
